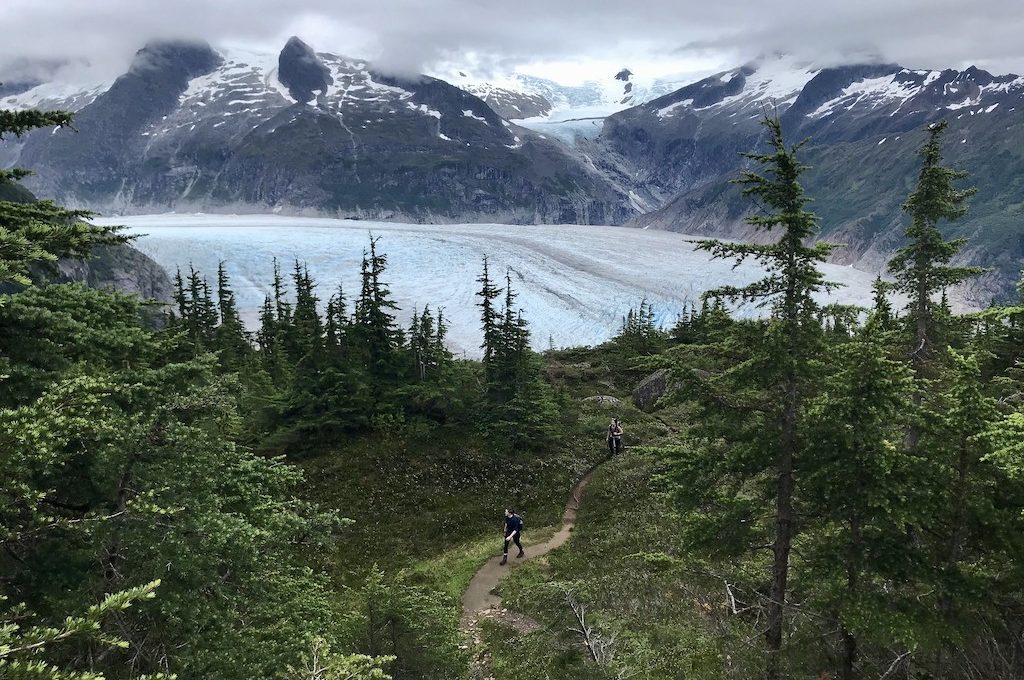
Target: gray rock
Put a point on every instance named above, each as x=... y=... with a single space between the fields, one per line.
x=301 y=71
x=604 y=400
x=651 y=389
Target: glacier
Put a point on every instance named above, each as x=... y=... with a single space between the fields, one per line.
x=575 y=283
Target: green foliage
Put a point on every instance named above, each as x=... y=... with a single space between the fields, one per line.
x=40 y=232
x=520 y=407
x=122 y=472
x=322 y=663
x=639 y=334
x=775 y=375
x=921 y=267
x=23 y=650
x=410 y=624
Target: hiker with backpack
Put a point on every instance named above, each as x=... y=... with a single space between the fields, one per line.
x=513 y=532
x=614 y=437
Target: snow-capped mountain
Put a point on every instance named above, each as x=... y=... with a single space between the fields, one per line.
x=189 y=127
x=569 y=112
x=193 y=127
x=864 y=123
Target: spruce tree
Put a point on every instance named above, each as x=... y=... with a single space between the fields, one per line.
x=921 y=268
x=860 y=491
x=233 y=342
x=41 y=232
x=381 y=338
x=307 y=336
x=782 y=366
x=489 y=318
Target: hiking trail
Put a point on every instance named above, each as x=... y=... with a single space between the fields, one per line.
x=479 y=601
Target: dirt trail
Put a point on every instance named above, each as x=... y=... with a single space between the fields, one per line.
x=478 y=597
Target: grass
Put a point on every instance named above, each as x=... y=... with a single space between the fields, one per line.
x=427 y=504
x=451 y=571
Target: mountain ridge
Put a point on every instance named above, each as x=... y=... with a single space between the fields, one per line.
x=367 y=145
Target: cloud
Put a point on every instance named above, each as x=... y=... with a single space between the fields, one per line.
x=411 y=35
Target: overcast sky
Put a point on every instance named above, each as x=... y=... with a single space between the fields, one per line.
x=567 y=40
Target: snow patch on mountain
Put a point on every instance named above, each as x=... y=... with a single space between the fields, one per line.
x=666 y=111
x=779 y=79
x=55 y=95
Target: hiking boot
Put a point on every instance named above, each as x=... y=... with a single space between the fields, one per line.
x=504 y=561
x=521 y=553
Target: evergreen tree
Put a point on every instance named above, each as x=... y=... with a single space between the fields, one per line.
x=860 y=491
x=41 y=232
x=781 y=367
x=921 y=267
x=381 y=339
x=306 y=332
x=972 y=523
x=232 y=340
x=881 y=308
x=489 y=318
x=336 y=322
x=129 y=470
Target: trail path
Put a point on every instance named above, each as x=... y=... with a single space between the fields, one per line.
x=480 y=602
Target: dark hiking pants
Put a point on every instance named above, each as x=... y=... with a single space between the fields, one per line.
x=514 y=539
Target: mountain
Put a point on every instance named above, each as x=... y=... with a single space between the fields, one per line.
x=570 y=112
x=190 y=127
x=193 y=128
x=864 y=124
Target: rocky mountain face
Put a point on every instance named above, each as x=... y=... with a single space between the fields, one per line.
x=864 y=124
x=190 y=127
x=120 y=267
x=193 y=128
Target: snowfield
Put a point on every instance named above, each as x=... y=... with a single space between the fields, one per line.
x=575 y=283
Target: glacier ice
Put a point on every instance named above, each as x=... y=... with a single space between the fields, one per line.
x=574 y=282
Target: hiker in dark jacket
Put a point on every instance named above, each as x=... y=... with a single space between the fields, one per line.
x=614 y=437
x=513 y=532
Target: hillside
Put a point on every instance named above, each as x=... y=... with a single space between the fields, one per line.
x=189 y=127
x=863 y=124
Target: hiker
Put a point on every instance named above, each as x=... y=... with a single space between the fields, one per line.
x=513 y=531
x=614 y=437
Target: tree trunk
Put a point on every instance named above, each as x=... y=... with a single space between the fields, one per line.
x=783 y=530
x=846 y=671
x=956 y=544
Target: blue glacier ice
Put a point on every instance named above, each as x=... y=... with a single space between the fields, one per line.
x=575 y=282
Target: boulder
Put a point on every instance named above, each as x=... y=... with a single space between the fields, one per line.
x=604 y=400
x=651 y=389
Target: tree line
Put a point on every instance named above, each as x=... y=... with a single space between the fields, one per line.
x=856 y=473
x=150 y=528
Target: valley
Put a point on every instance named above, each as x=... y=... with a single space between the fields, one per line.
x=575 y=283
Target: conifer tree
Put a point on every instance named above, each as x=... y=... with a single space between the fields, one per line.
x=233 y=341
x=336 y=321
x=374 y=316
x=781 y=367
x=860 y=491
x=970 y=524
x=306 y=326
x=881 y=308
x=489 y=318
x=180 y=300
x=41 y=232
x=921 y=267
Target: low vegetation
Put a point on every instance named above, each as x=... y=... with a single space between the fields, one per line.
x=824 y=492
